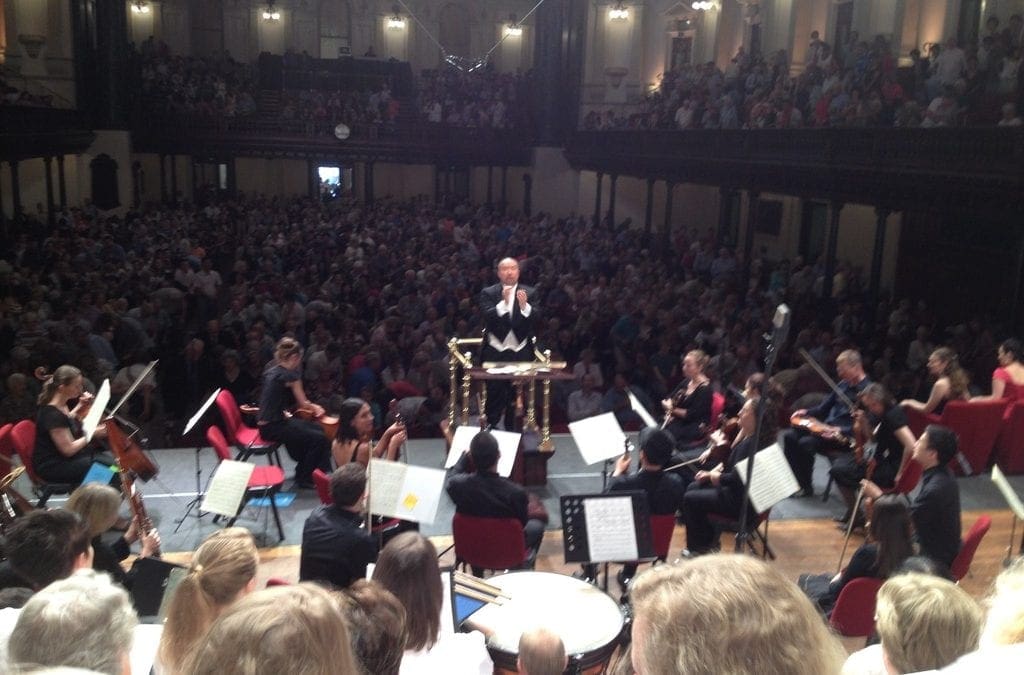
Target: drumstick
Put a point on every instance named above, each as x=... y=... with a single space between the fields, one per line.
x=470 y=580
x=476 y=595
x=695 y=460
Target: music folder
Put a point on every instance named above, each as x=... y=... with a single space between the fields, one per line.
x=607 y=527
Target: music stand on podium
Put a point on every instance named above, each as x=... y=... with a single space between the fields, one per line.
x=198 y=499
x=607 y=527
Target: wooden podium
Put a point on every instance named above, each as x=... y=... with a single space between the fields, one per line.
x=531 y=467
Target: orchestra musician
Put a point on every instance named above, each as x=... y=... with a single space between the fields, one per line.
x=688 y=408
x=510 y=313
x=834 y=422
x=894 y=446
x=355 y=433
x=282 y=390
x=62 y=452
x=950 y=385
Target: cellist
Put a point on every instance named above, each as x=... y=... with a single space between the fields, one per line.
x=882 y=420
x=830 y=422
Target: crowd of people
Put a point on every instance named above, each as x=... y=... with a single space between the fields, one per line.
x=211 y=87
x=350 y=107
x=483 y=98
x=856 y=84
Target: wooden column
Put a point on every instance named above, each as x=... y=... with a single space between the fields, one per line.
x=753 y=198
x=163 y=179
x=15 y=189
x=368 y=182
x=649 y=210
x=174 y=180
x=877 y=253
x=62 y=190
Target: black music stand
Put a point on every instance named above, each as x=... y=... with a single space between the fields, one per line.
x=198 y=499
x=579 y=542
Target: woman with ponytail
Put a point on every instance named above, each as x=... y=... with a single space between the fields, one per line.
x=223 y=570
x=950 y=384
x=62 y=453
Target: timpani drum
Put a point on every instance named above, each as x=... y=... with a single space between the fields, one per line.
x=587 y=619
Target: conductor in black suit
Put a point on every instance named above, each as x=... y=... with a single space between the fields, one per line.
x=509 y=317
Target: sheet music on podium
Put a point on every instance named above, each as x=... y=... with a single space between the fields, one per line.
x=610 y=530
x=772 y=481
x=404 y=491
x=227 y=488
x=508 y=446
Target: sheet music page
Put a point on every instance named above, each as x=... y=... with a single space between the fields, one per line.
x=772 y=481
x=1011 y=497
x=508 y=445
x=640 y=410
x=227 y=487
x=99 y=407
x=598 y=438
x=202 y=411
x=403 y=491
x=611 y=534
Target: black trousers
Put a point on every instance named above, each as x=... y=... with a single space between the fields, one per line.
x=801 y=448
x=501 y=398
x=305 y=442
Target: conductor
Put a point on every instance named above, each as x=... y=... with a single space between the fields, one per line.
x=509 y=317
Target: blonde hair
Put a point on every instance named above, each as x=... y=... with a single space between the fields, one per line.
x=96 y=504
x=959 y=381
x=728 y=614
x=541 y=652
x=1004 y=621
x=223 y=565
x=286 y=347
x=62 y=376
x=700 y=357
x=925 y=622
x=286 y=629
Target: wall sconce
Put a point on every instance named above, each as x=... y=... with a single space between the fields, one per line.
x=140 y=7
x=271 y=13
x=619 y=12
x=514 y=30
x=395 y=21
x=704 y=5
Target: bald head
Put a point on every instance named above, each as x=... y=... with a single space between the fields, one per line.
x=541 y=652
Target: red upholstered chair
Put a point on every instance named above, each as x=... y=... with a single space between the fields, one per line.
x=265 y=481
x=976 y=425
x=6 y=446
x=962 y=563
x=23 y=438
x=323 y=486
x=717 y=406
x=246 y=439
x=1010 y=444
x=277 y=581
x=662 y=528
x=909 y=480
x=488 y=543
x=854 y=611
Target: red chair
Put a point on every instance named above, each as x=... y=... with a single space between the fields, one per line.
x=246 y=439
x=854 y=611
x=6 y=447
x=265 y=481
x=323 y=486
x=488 y=543
x=962 y=563
x=909 y=480
x=717 y=407
x=23 y=438
x=385 y=529
x=976 y=425
x=662 y=528
x=1010 y=444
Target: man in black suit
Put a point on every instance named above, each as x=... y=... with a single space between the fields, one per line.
x=335 y=548
x=509 y=318
x=485 y=494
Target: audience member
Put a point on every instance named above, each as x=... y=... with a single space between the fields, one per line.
x=376 y=626
x=541 y=652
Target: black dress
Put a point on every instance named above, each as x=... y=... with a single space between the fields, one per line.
x=47 y=461
x=698 y=413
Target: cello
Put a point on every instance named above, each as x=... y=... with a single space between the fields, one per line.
x=132 y=464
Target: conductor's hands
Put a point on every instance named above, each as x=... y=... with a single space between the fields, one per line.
x=521 y=299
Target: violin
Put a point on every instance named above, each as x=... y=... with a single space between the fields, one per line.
x=329 y=423
x=132 y=464
x=13 y=504
x=815 y=426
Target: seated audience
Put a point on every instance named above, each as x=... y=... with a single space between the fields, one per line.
x=335 y=547
x=83 y=621
x=923 y=622
x=727 y=614
x=408 y=568
x=585 y=401
x=222 y=571
x=97 y=505
x=376 y=626
x=45 y=546
x=287 y=629
x=484 y=494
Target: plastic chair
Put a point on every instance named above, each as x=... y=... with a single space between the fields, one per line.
x=1010 y=444
x=730 y=524
x=488 y=543
x=246 y=439
x=962 y=563
x=265 y=481
x=854 y=612
x=976 y=425
x=23 y=438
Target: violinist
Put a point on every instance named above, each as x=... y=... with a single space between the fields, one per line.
x=832 y=422
x=688 y=408
x=282 y=390
x=883 y=419
x=355 y=433
x=62 y=453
